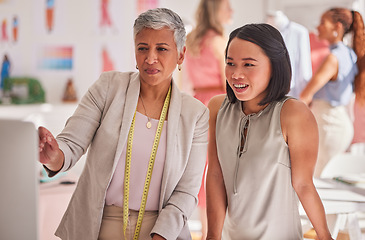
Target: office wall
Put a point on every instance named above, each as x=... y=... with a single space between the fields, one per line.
x=308 y=12
x=77 y=27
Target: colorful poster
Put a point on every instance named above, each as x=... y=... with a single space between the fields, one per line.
x=55 y=58
x=144 y=5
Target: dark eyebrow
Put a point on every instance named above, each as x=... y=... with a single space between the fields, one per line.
x=244 y=59
x=249 y=58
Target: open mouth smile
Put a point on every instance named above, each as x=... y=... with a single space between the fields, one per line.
x=240 y=86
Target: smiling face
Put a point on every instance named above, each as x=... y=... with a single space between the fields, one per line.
x=248 y=70
x=156 y=56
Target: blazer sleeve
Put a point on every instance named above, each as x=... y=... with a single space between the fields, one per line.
x=172 y=220
x=81 y=127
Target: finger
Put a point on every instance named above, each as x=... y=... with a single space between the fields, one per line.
x=41 y=146
x=47 y=138
x=42 y=133
x=52 y=142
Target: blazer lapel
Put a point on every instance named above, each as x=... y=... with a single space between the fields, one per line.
x=171 y=141
x=129 y=109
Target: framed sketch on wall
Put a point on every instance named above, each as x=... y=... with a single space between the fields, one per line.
x=50 y=17
x=110 y=17
x=55 y=58
x=111 y=56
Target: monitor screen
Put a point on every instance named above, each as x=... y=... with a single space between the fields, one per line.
x=18 y=180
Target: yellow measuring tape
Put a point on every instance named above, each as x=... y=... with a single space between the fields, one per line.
x=149 y=170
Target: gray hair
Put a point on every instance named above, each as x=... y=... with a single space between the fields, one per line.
x=159 y=18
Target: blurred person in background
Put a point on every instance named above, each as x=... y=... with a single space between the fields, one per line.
x=330 y=90
x=205 y=49
x=205 y=64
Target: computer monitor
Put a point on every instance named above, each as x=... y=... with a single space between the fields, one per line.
x=18 y=180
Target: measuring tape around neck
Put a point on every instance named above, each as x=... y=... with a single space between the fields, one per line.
x=149 y=170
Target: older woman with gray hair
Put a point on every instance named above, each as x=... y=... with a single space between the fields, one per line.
x=146 y=144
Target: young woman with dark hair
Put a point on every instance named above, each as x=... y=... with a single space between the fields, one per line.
x=262 y=146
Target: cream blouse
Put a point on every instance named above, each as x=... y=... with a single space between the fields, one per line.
x=141 y=151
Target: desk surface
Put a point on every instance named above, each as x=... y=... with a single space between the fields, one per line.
x=23 y=111
x=53 y=201
x=338 y=197
x=331 y=184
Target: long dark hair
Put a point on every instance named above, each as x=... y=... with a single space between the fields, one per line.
x=271 y=42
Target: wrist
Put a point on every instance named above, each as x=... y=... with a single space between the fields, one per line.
x=57 y=164
x=157 y=237
x=326 y=236
x=212 y=237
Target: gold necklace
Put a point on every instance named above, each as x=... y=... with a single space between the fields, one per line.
x=148 y=124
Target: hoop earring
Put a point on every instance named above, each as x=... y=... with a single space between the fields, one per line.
x=137 y=67
x=179 y=67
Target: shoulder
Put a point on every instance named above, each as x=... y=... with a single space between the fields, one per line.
x=295 y=113
x=215 y=103
x=113 y=84
x=115 y=76
x=339 y=49
x=344 y=53
x=219 y=42
x=114 y=79
x=293 y=108
x=189 y=100
x=193 y=115
x=330 y=61
x=331 y=58
x=191 y=106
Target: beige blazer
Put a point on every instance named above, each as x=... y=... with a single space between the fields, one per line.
x=101 y=123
